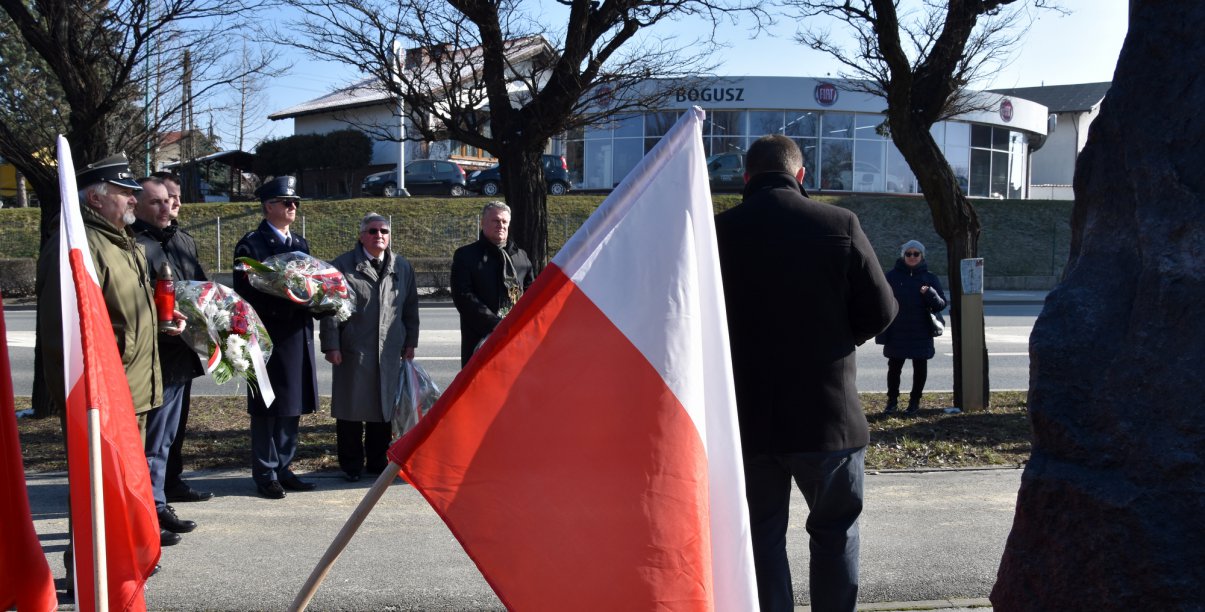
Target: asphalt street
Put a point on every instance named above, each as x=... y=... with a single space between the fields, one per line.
x=929 y=537
x=1009 y=318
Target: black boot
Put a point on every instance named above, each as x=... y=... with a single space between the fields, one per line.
x=913 y=405
x=892 y=404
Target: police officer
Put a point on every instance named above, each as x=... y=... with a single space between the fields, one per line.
x=291 y=368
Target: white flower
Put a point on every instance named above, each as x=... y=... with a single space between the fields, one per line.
x=240 y=365
x=221 y=319
x=235 y=345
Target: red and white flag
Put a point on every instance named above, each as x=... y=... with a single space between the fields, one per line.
x=588 y=455
x=96 y=380
x=25 y=578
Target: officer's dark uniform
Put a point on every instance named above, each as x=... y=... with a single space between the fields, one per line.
x=290 y=368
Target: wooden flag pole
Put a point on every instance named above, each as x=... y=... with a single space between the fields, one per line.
x=96 y=485
x=341 y=540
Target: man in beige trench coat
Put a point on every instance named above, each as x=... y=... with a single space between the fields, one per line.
x=367 y=350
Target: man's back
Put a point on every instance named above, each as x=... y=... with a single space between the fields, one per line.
x=803 y=288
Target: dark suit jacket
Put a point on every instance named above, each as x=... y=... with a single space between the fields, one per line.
x=803 y=288
x=290 y=326
x=478 y=289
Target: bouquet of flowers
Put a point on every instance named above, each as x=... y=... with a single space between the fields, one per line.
x=226 y=332
x=302 y=279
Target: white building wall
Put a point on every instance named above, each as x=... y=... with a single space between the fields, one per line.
x=1054 y=163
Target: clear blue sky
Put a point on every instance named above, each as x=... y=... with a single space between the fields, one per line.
x=1080 y=47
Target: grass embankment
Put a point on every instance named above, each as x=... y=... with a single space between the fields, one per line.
x=218 y=436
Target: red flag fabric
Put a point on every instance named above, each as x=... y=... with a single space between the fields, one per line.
x=96 y=380
x=588 y=455
x=25 y=578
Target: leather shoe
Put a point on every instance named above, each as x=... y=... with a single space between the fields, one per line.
x=185 y=493
x=349 y=477
x=167 y=538
x=293 y=483
x=271 y=490
x=169 y=521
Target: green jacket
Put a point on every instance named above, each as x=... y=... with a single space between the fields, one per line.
x=121 y=272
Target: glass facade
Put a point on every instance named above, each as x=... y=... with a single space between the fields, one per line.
x=843 y=151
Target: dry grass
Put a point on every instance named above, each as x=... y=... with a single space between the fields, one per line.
x=218 y=436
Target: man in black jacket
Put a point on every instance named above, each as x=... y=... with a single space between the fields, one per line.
x=166 y=244
x=174 y=486
x=803 y=289
x=488 y=276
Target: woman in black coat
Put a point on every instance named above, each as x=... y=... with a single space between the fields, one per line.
x=910 y=335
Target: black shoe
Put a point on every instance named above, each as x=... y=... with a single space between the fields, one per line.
x=913 y=406
x=349 y=477
x=185 y=493
x=167 y=538
x=157 y=567
x=293 y=483
x=892 y=405
x=271 y=490
x=169 y=521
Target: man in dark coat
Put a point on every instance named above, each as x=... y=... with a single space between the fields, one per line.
x=166 y=245
x=488 y=276
x=291 y=368
x=803 y=289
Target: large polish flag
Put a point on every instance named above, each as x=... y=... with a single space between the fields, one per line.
x=588 y=455
x=25 y=578
x=96 y=380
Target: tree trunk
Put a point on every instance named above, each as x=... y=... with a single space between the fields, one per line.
x=1109 y=510
x=954 y=219
x=523 y=183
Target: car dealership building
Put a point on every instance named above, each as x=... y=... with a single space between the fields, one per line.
x=839 y=129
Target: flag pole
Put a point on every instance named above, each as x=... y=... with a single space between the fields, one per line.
x=96 y=484
x=345 y=534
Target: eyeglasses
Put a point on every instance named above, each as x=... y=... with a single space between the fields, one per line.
x=912 y=254
x=384 y=231
x=287 y=203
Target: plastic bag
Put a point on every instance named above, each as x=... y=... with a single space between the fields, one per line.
x=416 y=395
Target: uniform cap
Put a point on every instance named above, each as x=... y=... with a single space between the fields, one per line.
x=279 y=187
x=114 y=169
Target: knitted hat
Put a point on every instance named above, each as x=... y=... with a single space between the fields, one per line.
x=912 y=244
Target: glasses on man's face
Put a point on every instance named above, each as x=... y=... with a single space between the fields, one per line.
x=288 y=203
x=912 y=254
x=384 y=231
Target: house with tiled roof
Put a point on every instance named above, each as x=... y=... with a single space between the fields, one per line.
x=1072 y=109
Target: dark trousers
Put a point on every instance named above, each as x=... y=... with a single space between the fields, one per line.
x=161 y=425
x=920 y=373
x=831 y=483
x=362 y=445
x=175 y=457
x=273 y=445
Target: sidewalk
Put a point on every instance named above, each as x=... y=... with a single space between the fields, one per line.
x=930 y=540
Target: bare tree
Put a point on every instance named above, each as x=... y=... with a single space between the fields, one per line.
x=921 y=62
x=97 y=70
x=245 y=110
x=493 y=75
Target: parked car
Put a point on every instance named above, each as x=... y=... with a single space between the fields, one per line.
x=556 y=176
x=726 y=171
x=423 y=176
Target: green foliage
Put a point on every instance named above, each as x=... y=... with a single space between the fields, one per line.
x=341 y=150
